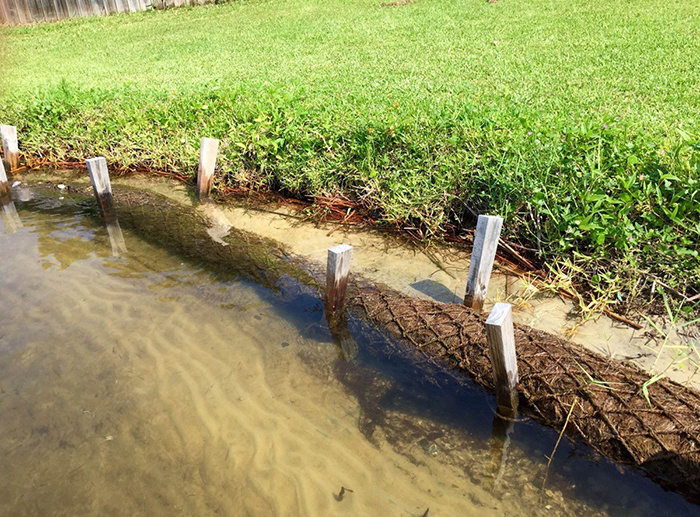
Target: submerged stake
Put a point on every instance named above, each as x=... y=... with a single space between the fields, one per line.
x=488 y=230
x=501 y=339
x=10 y=147
x=208 y=147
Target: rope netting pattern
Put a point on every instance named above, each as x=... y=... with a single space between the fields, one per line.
x=611 y=413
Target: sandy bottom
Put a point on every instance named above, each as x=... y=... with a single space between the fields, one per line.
x=143 y=387
x=138 y=385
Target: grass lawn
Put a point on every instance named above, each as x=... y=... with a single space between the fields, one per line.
x=577 y=120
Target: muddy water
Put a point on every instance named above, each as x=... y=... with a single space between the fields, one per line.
x=152 y=384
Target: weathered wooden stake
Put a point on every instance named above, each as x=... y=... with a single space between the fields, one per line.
x=99 y=176
x=208 y=148
x=501 y=339
x=4 y=186
x=10 y=148
x=337 y=274
x=488 y=230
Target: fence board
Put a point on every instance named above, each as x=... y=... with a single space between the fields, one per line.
x=22 y=12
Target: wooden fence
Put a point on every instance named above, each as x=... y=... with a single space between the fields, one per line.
x=21 y=12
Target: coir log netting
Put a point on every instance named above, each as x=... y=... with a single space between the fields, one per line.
x=611 y=412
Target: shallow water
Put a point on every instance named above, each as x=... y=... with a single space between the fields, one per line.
x=153 y=383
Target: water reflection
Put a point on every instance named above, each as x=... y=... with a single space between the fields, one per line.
x=501 y=434
x=116 y=238
x=9 y=212
x=109 y=216
x=10 y=217
x=341 y=334
x=219 y=225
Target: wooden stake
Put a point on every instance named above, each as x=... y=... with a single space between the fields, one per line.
x=208 y=148
x=10 y=148
x=337 y=274
x=488 y=230
x=4 y=186
x=99 y=176
x=501 y=339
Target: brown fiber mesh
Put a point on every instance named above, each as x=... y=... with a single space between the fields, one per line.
x=611 y=412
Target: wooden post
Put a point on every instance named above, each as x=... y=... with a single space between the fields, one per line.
x=4 y=186
x=337 y=274
x=10 y=148
x=208 y=148
x=488 y=230
x=99 y=176
x=501 y=339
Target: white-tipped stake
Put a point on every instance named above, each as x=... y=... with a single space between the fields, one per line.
x=99 y=176
x=488 y=230
x=10 y=147
x=208 y=148
x=337 y=274
x=501 y=339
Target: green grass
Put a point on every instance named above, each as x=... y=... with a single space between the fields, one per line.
x=577 y=120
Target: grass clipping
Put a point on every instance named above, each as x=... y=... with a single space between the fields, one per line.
x=618 y=412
